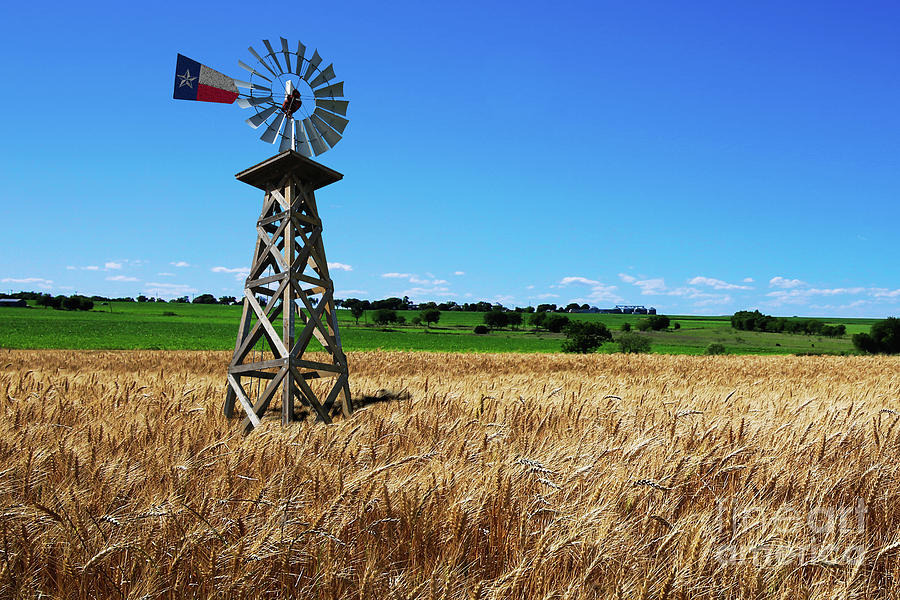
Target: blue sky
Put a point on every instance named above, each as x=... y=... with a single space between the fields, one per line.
x=697 y=157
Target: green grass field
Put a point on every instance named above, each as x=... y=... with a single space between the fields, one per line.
x=131 y=325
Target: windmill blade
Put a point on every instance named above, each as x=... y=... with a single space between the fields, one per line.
x=254 y=101
x=337 y=123
x=335 y=106
x=270 y=133
x=301 y=54
x=251 y=86
x=287 y=138
x=262 y=62
x=335 y=90
x=260 y=117
x=313 y=64
x=328 y=134
x=287 y=55
x=253 y=71
x=315 y=140
x=301 y=144
x=326 y=75
x=272 y=55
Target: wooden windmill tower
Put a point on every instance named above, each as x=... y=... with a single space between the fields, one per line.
x=288 y=302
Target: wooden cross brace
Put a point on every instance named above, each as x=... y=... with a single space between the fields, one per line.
x=288 y=282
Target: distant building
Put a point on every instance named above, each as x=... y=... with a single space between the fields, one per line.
x=626 y=309
x=12 y=303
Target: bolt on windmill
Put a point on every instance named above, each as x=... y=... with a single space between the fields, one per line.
x=288 y=295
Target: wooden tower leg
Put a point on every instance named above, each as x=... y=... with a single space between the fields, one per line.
x=289 y=279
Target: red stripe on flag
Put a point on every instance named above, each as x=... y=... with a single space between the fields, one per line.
x=206 y=93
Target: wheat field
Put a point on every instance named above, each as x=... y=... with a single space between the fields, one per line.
x=476 y=476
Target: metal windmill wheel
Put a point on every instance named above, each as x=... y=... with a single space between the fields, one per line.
x=300 y=103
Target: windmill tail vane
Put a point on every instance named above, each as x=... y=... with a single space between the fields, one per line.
x=300 y=102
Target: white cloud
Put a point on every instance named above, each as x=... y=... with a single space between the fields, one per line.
x=885 y=293
x=415 y=279
x=657 y=287
x=166 y=274
x=647 y=286
x=423 y=292
x=168 y=289
x=180 y=263
x=459 y=272
x=240 y=273
x=38 y=280
x=121 y=278
x=604 y=293
x=348 y=293
x=804 y=295
x=91 y=268
x=784 y=283
x=714 y=300
x=111 y=266
x=529 y=287
x=546 y=296
x=501 y=298
x=71 y=268
x=420 y=281
x=339 y=266
x=748 y=280
x=717 y=284
x=582 y=280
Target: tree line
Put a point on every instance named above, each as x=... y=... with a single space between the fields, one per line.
x=756 y=321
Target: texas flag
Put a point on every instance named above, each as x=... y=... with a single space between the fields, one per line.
x=194 y=81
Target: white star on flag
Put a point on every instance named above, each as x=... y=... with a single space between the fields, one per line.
x=186 y=79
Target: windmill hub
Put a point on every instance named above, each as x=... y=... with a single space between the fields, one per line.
x=292 y=99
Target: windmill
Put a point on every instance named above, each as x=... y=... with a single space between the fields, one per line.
x=288 y=294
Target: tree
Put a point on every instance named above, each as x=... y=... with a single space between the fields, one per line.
x=481 y=329
x=537 y=319
x=495 y=319
x=584 y=337
x=556 y=323
x=205 y=299
x=228 y=300
x=883 y=337
x=142 y=298
x=430 y=316
x=573 y=306
x=631 y=343
x=546 y=307
x=626 y=326
x=654 y=322
x=676 y=325
x=416 y=321
x=384 y=316
x=357 y=311
x=514 y=319
x=715 y=348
